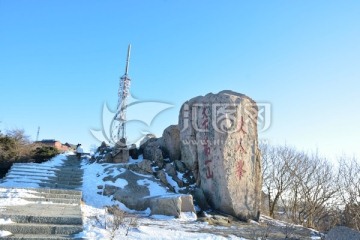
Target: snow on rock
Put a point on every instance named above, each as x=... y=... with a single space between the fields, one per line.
x=156 y=227
x=155 y=189
x=4 y=233
x=5 y=221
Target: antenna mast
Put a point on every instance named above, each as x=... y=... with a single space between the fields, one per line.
x=123 y=93
x=38 y=133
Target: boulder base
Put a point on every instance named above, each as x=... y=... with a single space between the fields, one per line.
x=171 y=205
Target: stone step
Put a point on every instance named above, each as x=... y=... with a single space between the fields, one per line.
x=56 y=185
x=53 y=200
x=43 y=210
x=32 y=166
x=52 y=191
x=54 y=210
x=72 y=179
x=66 y=182
x=44 y=168
x=24 y=170
x=40 y=174
x=40 y=237
x=74 y=175
x=24 y=228
x=15 y=176
x=58 y=196
x=56 y=220
x=43 y=177
x=60 y=186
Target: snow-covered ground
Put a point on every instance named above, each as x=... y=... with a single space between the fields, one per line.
x=99 y=224
x=146 y=227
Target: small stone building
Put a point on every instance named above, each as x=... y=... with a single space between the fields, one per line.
x=54 y=143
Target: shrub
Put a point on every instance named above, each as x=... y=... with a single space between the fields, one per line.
x=7 y=148
x=44 y=153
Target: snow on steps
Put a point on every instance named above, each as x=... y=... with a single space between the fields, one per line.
x=47 y=213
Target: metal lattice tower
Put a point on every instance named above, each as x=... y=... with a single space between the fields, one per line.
x=123 y=93
x=37 y=134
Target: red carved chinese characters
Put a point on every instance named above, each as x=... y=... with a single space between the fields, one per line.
x=207 y=149
x=241 y=147
x=240 y=169
x=242 y=125
x=240 y=165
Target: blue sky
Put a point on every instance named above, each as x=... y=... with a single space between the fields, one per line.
x=60 y=61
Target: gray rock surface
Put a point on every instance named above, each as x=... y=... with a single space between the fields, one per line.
x=137 y=196
x=200 y=199
x=161 y=174
x=152 y=151
x=342 y=233
x=149 y=138
x=219 y=144
x=171 y=205
x=180 y=166
x=145 y=165
x=146 y=138
x=134 y=152
x=170 y=170
x=171 y=137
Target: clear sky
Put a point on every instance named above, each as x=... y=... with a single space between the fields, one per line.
x=60 y=61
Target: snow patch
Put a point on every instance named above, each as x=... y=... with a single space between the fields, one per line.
x=5 y=233
x=5 y=221
x=155 y=189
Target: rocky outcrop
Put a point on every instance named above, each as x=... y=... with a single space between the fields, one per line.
x=153 y=152
x=146 y=165
x=200 y=198
x=136 y=194
x=149 y=138
x=134 y=152
x=219 y=144
x=180 y=166
x=171 y=137
x=120 y=152
x=171 y=205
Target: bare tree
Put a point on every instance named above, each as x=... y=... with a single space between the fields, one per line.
x=304 y=186
x=19 y=136
x=277 y=177
x=313 y=192
x=349 y=179
x=21 y=142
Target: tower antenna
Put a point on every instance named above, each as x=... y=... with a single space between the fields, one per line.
x=37 y=134
x=123 y=93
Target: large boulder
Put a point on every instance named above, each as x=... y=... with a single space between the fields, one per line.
x=171 y=137
x=146 y=140
x=145 y=165
x=134 y=152
x=152 y=151
x=139 y=192
x=171 y=205
x=219 y=144
x=180 y=166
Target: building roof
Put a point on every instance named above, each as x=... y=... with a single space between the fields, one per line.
x=48 y=141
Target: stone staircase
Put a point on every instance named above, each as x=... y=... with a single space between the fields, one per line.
x=53 y=210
